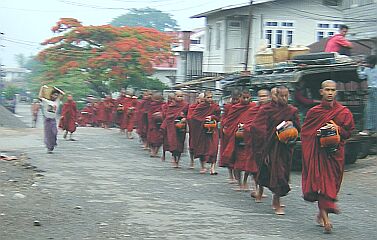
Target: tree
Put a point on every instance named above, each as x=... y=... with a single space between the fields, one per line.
x=21 y=60
x=146 y=17
x=100 y=59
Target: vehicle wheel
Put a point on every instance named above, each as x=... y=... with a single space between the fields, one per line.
x=352 y=151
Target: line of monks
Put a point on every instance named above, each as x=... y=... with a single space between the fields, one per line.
x=250 y=139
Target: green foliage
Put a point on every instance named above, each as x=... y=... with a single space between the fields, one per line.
x=10 y=91
x=98 y=60
x=146 y=17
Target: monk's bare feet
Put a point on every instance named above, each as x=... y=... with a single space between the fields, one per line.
x=319 y=220
x=258 y=198
x=279 y=211
x=327 y=228
x=245 y=187
x=203 y=171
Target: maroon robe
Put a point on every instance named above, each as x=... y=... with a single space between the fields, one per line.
x=87 y=115
x=175 y=138
x=189 y=122
x=252 y=164
x=131 y=114
x=234 y=154
x=322 y=172
x=142 y=116
x=69 y=116
x=108 y=110
x=165 y=144
x=121 y=114
x=100 y=113
x=205 y=146
x=224 y=138
x=155 y=134
x=275 y=156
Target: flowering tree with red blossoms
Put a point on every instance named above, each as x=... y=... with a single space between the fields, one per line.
x=105 y=58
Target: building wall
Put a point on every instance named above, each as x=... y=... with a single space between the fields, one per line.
x=14 y=74
x=361 y=9
x=163 y=76
x=229 y=57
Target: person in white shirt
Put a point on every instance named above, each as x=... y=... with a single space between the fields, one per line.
x=49 y=109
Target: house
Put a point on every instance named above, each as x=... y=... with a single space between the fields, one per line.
x=273 y=24
x=360 y=16
x=190 y=55
x=186 y=63
x=13 y=74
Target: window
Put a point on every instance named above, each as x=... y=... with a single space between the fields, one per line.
x=279 y=38
x=320 y=36
x=289 y=38
x=279 y=33
x=235 y=24
x=269 y=38
x=287 y=24
x=209 y=37
x=272 y=24
x=323 y=25
x=326 y=29
x=218 y=35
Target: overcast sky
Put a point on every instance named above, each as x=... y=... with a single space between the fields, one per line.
x=26 y=23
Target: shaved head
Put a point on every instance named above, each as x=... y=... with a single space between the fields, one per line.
x=327 y=82
x=328 y=90
x=264 y=96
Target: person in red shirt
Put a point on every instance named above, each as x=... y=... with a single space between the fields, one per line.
x=338 y=43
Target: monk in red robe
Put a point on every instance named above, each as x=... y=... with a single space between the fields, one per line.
x=87 y=115
x=108 y=111
x=235 y=152
x=142 y=116
x=165 y=146
x=276 y=155
x=224 y=138
x=206 y=145
x=155 y=135
x=176 y=113
x=68 y=117
x=131 y=114
x=251 y=166
x=120 y=104
x=322 y=168
x=192 y=136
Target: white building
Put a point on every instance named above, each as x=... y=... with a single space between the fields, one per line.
x=13 y=74
x=274 y=23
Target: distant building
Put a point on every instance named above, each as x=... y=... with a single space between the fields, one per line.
x=12 y=74
x=274 y=24
x=186 y=63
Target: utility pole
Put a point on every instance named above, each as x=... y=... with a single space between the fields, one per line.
x=248 y=36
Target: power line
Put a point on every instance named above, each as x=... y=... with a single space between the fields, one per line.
x=343 y=19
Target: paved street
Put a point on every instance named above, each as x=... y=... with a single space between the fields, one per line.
x=104 y=186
